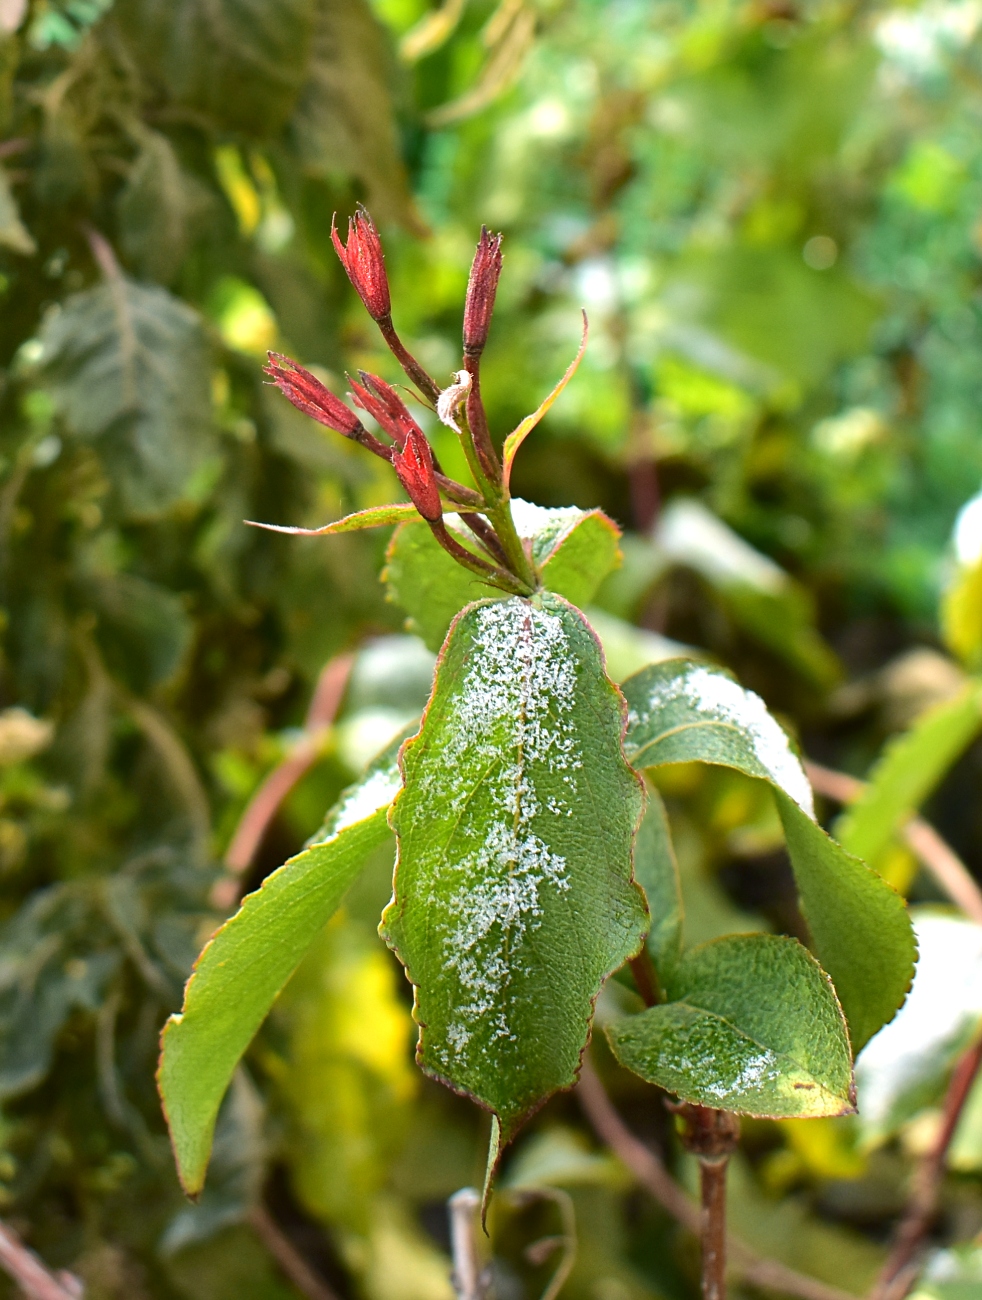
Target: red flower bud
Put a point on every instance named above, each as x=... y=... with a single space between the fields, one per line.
x=481 y=289
x=309 y=395
x=363 y=260
x=414 y=465
x=380 y=400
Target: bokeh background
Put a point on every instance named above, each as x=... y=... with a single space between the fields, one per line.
x=772 y=212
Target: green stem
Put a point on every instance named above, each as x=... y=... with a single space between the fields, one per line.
x=504 y=526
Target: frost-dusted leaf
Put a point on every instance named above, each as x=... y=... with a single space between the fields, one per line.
x=909 y=769
x=682 y=712
x=248 y=961
x=657 y=872
x=344 y=120
x=128 y=367
x=513 y=890
x=241 y=63
x=375 y=517
x=573 y=549
x=756 y=1029
x=906 y=1066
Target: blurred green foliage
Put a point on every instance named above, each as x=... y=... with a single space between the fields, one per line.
x=772 y=212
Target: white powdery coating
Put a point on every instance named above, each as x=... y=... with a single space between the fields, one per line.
x=722 y=699
x=544 y=526
x=376 y=792
x=512 y=724
x=758 y=1070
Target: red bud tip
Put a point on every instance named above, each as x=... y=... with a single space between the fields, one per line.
x=414 y=465
x=481 y=289
x=382 y=402
x=309 y=395
x=363 y=260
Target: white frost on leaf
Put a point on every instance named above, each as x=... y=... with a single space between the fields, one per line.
x=511 y=732
x=361 y=801
x=720 y=699
x=543 y=526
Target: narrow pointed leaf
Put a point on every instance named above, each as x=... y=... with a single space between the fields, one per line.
x=376 y=517
x=911 y=767
x=522 y=431
x=756 y=1029
x=657 y=872
x=682 y=712
x=573 y=549
x=513 y=892
x=249 y=960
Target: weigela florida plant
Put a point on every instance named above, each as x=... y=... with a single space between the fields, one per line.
x=533 y=862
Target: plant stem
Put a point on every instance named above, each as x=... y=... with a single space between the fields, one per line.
x=279 y=1245
x=490 y=573
x=478 y=420
x=504 y=526
x=31 y=1275
x=468 y=1278
x=900 y=1271
x=646 y=978
x=650 y=1172
x=408 y=362
x=712 y=1182
x=710 y=1135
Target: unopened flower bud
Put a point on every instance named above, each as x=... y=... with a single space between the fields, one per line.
x=363 y=260
x=481 y=289
x=414 y=465
x=309 y=395
x=382 y=402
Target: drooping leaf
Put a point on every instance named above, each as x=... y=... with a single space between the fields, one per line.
x=248 y=961
x=240 y=63
x=513 y=891
x=344 y=119
x=573 y=549
x=657 y=872
x=376 y=517
x=518 y=435
x=683 y=712
x=910 y=767
x=754 y=1027
x=128 y=368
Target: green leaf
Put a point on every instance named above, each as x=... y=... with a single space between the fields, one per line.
x=513 y=890
x=240 y=63
x=682 y=712
x=756 y=1029
x=518 y=435
x=344 y=119
x=657 y=872
x=376 y=517
x=573 y=549
x=128 y=367
x=248 y=961
x=908 y=770
x=155 y=208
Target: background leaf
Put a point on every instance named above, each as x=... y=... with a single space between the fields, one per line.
x=127 y=365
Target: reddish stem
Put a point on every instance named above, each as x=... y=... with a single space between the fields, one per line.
x=900 y=1271
x=408 y=362
x=265 y=803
